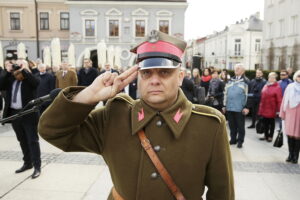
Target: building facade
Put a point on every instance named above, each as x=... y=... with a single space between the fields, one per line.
x=34 y=23
x=281 y=39
x=237 y=43
x=121 y=24
x=85 y=23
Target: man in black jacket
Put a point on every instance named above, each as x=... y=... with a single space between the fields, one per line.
x=20 y=86
x=47 y=84
x=87 y=74
x=255 y=87
x=187 y=87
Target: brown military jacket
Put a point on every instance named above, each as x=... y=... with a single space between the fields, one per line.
x=191 y=141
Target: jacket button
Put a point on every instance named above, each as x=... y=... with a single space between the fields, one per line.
x=157 y=148
x=159 y=123
x=154 y=175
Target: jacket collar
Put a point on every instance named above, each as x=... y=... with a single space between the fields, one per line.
x=175 y=116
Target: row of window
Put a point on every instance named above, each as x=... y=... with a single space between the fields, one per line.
x=90 y=24
x=114 y=27
x=238 y=47
x=282 y=28
x=15 y=21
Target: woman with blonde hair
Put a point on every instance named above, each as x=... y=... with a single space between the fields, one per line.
x=290 y=113
x=270 y=102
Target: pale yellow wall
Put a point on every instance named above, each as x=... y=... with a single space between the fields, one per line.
x=28 y=20
x=54 y=10
x=27 y=17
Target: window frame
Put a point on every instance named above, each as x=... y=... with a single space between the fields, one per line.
x=134 y=26
x=68 y=20
x=48 y=21
x=237 y=47
x=10 y=20
x=169 y=24
x=108 y=19
x=84 y=19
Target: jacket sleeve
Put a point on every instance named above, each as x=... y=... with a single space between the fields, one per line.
x=72 y=126
x=219 y=174
x=74 y=79
x=278 y=99
x=4 y=76
x=225 y=95
x=31 y=79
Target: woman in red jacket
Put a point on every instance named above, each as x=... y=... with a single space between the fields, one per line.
x=269 y=106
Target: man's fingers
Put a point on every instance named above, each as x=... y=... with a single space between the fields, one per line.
x=111 y=79
x=106 y=76
x=129 y=79
x=128 y=72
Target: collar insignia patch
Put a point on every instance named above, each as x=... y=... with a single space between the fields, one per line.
x=141 y=115
x=178 y=116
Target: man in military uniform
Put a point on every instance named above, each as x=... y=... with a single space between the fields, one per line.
x=190 y=140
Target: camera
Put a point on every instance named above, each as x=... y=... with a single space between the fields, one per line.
x=16 y=67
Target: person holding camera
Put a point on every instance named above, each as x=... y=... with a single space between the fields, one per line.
x=20 y=86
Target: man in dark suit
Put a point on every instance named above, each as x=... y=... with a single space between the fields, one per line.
x=47 y=84
x=87 y=74
x=20 y=86
x=107 y=68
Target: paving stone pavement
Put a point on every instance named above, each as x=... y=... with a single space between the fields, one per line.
x=67 y=158
x=260 y=172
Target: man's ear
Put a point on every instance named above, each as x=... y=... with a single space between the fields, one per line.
x=181 y=76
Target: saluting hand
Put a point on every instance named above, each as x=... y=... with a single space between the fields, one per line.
x=106 y=86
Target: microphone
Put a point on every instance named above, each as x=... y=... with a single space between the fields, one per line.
x=50 y=97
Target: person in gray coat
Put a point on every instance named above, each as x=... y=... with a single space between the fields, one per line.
x=235 y=101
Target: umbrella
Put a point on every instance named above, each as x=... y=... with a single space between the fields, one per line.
x=47 y=56
x=118 y=57
x=1 y=56
x=71 y=55
x=56 y=52
x=101 y=53
x=21 y=49
x=110 y=55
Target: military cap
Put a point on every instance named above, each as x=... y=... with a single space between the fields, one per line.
x=159 y=50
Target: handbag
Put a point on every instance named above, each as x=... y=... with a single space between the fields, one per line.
x=260 y=127
x=279 y=140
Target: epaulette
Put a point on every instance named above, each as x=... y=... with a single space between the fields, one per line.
x=123 y=97
x=207 y=111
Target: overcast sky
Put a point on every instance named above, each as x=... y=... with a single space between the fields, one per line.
x=202 y=17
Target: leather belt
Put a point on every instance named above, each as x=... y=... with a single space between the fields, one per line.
x=116 y=195
x=160 y=167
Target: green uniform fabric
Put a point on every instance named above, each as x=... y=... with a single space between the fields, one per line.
x=195 y=150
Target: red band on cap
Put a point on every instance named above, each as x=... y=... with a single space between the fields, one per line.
x=160 y=46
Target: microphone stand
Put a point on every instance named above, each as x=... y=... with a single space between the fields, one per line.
x=20 y=114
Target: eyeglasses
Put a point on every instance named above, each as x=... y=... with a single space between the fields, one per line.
x=283 y=74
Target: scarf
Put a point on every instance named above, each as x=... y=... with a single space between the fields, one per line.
x=292 y=95
x=206 y=78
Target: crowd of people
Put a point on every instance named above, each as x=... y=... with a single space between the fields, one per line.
x=235 y=97
x=22 y=81
x=266 y=100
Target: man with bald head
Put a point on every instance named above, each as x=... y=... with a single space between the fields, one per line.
x=235 y=102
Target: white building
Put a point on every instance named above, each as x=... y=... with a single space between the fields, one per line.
x=237 y=43
x=281 y=39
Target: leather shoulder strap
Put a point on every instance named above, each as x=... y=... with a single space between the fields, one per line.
x=159 y=166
